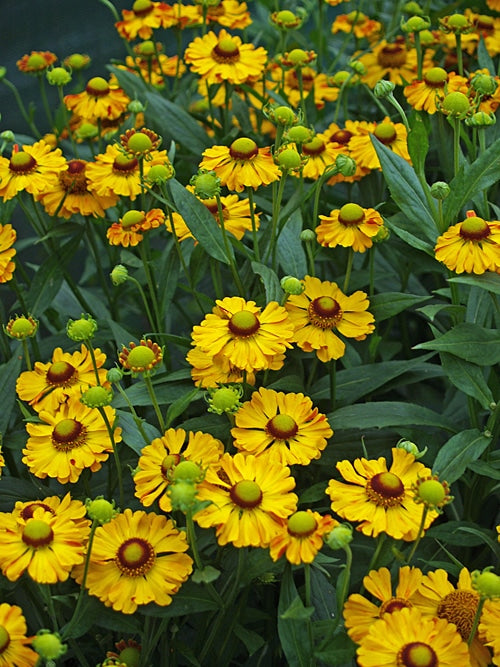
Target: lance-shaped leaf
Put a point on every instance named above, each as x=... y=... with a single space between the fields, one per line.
x=467 y=341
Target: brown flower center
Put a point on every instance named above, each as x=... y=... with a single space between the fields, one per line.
x=485 y=24
x=341 y=137
x=392 y=55
x=246 y=494
x=243 y=149
x=386 y=133
x=73 y=179
x=459 y=607
x=135 y=557
x=37 y=533
x=22 y=163
x=385 y=489
x=324 y=312
x=474 y=229
x=314 y=147
x=282 y=427
x=394 y=604
x=4 y=639
x=68 y=434
x=97 y=87
x=226 y=51
x=417 y=654
x=125 y=164
x=61 y=374
x=243 y=323
x=28 y=511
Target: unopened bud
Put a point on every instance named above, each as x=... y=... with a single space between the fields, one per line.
x=292 y=285
x=119 y=274
x=340 y=537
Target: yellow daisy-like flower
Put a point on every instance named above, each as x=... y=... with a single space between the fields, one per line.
x=320 y=155
x=489 y=628
x=351 y=226
x=286 y=426
x=471 y=246
x=422 y=95
x=338 y=139
x=36 y=62
x=99 y=100
x=154 y=69
x=362 y=26
x=223 y=57
x=392 y=135
x=129 y=231
x=68 y=374
x=393 y=61
x=250 y=338
x=241 y=165
x=323 y=308
x=45 y=545
x=7 y=266
x=14 y=651
x=381 y=499
x=74 y=509
x=437 y=597
x=208 y=371
x=67 y=441
x=405 y=639
x=228 y=13
x=34 y=169
x=250 y=496
x=301 y=537
x=137 y=558
x=158 y=460
x=321 y=85
x=144 y=17
x=360 y=613
x=70 y=194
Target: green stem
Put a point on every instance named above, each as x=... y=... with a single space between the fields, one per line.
x=22 y=109
x=275 y=218
x=227 y=247
x=111 y=435
x=475 y=623
x=350 y=259
x=138 y=421
x=460 y=61
x=149 y=314
x=66 y=121
x=307 y=584
x=45 y=102
x=371 y=270
x=347 y=577
x=456 y=145
x=301 y=93
x=418 y=49
x=154 y=402
x=255 y=238
x=26 y=354
x=420 y=533
x=332 y=367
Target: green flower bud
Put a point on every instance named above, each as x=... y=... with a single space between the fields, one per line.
x=114 y=375
x=86 y=131
x=383 y=88
x=457 y=23
x=340 y=536
x=413 y=8
x=187 y=471
x=283 y=115
x=340 y=77
x=48 y=645
x=160 y=173
x=3 y=72
x=288 y=159
x=307 y=236
x=77 y=61
x=481 y=119
x=58 y=76
x=224 y=399
x=431 y=492
x=119 y=274
x=440 y=190
x=96 y=397
x=345 y=165
x=415 y=24
x=358 y=67
x=292 y=285
x=206 y=184
x=21 y=327
x=287 y=20
x=299 y=134
x=182 y=495
x=486 y=583
x=82 y=329
x=8 y=136
x=484 y=84
x=298 y=57
x=101 y=510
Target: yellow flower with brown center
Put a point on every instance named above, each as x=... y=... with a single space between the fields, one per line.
x=34 y=169
x=301 y=537
x=360 y=613
x=144 y=17
x=14 y=651
x=393 y=61
x=351 y=226
x=72 y=508
x=380 y=499
x=158 y=460
x=142 y=357
x=422 y=95
x=471 y=246
x=100 y=100
x=250 y=497
x=223 y=57
x=68 y=374
x=338 y=139
x=136 y=558
x=129 y=230
x=7 y=266
x=286 y=426
x=67 y=441
x=392 y=135
x=36 y=62
x=246 y=335
x=361 y=25
x=322 y=309
x=319 y=156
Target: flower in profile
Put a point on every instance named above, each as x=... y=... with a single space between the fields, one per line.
x=223 y=57
x=286 y=426
x=68 y=374
x=351 y=226
x=142 y=357
x=127 y=652
x=45 y=545
x=136 y=558
x=250 y=496
x=129 y=230
x=158 y=460
x=392 y=135
x=34 y=169
x=406 y=638
x=301 y=537
x=422 y=95
x=36 y=62
x=360 y=613
x=144 y=17
x=381 y=499
x=7 y=266
x=471 y=246
x=63 y=443
x=323 y=309
x=77 y=61
x=249 y=337
x=100 y=100
x=14 y=651
x=241 y=165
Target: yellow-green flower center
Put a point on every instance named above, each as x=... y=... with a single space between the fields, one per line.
x=135 y=557
x=37 y=533
x=142 y=7
x=456 y=103
x=289 y=159
x=351 y=214
x=124 y=163
x=36 y=61
x=474 y=229
x=392 y=56
x=385 y=132
x=187 y=471
x=286 y=17
x=68 y=434
x=243 y=323
x=417 y=654
x=385 y=489
x=302 y=524
x=355 y=18
x=487 y=584
x=22 y=163
x=243 y=149
x=459 y=607
x=431 y=491
x=298 y=57
x=282 y=427
x=246 y=494
x=139 y=143
x=168 y=463
x=436 y=77
x=22 y=327
x=314 y=147
x=324 y=312
x=77 y=61
x=97 y=87
x=4 y=639
x=61 y=373
x=140 y=357
x=457 y=21
x=131 y=218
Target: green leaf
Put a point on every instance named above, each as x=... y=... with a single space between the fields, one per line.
x=252 y=641
x=9 y=373
x=205 y=575
x=467 y=341
x=291 y=254
x=485 y=470
x=467 y=377
x=293 y=622
x=181 y=404
x=200 y=222
x=451 y=532
x=339 y=652
x=418 y=144
x=191 y=599
x=387 y=304
x=323 y=595
x=403 y=227
x=455 y=455
x=484 y=59
x=270 y=281
x=130 y=432
x=486 y=539
x=384 y=414
x=44 y=289
x=488 y=281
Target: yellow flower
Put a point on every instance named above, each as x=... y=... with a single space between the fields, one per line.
x=285 y=426
x=324 y=90
x=136 y=558
x=393 y=61
x=100 y=100
x=323 y=308
x=36 y=62
x=129 y=230
x=359 y=24
x=471 y=246
x=392 y=135
x=320 y=154
x=144 y=17
x=208 y=371
x=74 y=509
x=228 y=13
x=249 y=497
x=14 y=651
x=489 y=628
x=301 y=537
x=7 y=267
x=381 y=499
x=351 y=227
x=422 y=95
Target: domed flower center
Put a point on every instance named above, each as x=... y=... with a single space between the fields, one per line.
x=4 y=639
x=351 y=215
x=226 y=51
x=140 y=357
x=417 y=654
x=302 y=524
x=73 y=179
x=97 y=87
x=36 y=61
x=394 y=604
x=37 y=533
x=341 y=137
x=246 y=494
x=243 y=323
x=436 y=77
x=68 y=434
x=484 y=23
x=355 y=18
x=135 y=557
x=168 y=463
x=282 y=427
x=385 y=489
x=22 y=163
x=392 y=55
x=131 y=218
x=28 y=511
x=474 y=229
x=459 y=607
x=314 y=147
x=243 y=149
x=431 y=491
x=324 y=312
x=22 y=327
x=385 y=132
x=61 y=374
x=123 y=163
x=139 y=143
x=142 y=7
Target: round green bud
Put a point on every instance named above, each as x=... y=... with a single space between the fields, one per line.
x=340 y=536
x=299 y=134
x=292 y=285
x=119 y=274
x=139 y=143
x=3 y=72
x=358 y=67
x=82 y=329
x=298 y=57
x=206 y=184
x=383 y=88
x=413 y=8
x=87 y=131
x=411 y=448
x=21 y=327
x=160 y=173
x=182 y=495
x=58 y=76
x=382 y=235
x=224 y=399
x=345 y=165
x=307 y=236
x=146 y=48
x=8 y=136
x=431 y=492
x=481 y=119
x=187 y=471
x=289 y=159
x=415 y=24
x=135 y=107
x=486 y=583
x=100 y=509
x=284 y=115
x=48 y=645
x=440 y=190
x=484 y=84
x=457 y=22
x=340 y=77
x=96 y=397
x=77 y=61
x=114 y=375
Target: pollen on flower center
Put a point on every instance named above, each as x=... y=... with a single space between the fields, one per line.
x=22 y=162
x=4 y=639
x=244 y=323
x=302 y=524
x=392 y=55
x=459 y=607
x=351 y=214
x=243 y=149
x=68 y=434
x=282 y=427
x=386 y=489
x=385 y=132
x=314 y=147
x=324 y=312
x=226 y=51
x=168 y=463
x=135 y=557
x=436 y=77
x=246 y=494
x=124 y=163
x=61 y=373
x=417 y=654
x=73 y=179
x=28 y=511
x=37 y=533
x=394 y=604
x=474 y=229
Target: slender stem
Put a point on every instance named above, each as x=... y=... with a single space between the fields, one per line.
x=151 y=284
x=301 y=93
x=227 y=247
x=347 y=577
x=275 y=218
x=332 y=367
x=66 y=120
x=475 y=623
x=456 y=145
x=254 y=224
x=418 y=49
x=350 y=259
x=154 y=402
x=138 y=421
x=22 y=109
x=26 y=354
x=307 y=582
x=460 y=60
x=149 y=314
x=111 y=434
x=45 y=102
x=420 y=533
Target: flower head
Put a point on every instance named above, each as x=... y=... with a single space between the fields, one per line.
x=351 y=226
x=14 y=649
x=21 y=327
x=129 y=230
x=36 y=62
x=35 y=169
x=301 y=537
x=99 y=101
x=142 y=357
